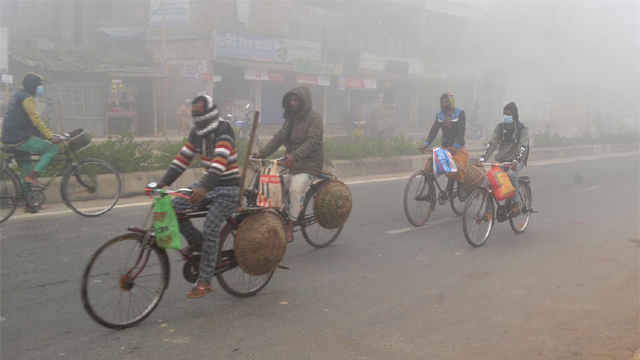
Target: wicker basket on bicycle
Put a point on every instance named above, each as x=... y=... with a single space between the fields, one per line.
x=332 y=204
x=475 y=178
x=260 y=243
x=78 y=140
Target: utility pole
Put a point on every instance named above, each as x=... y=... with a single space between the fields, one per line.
x=166 y=80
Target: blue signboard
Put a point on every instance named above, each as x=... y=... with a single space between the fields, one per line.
x=244 y=47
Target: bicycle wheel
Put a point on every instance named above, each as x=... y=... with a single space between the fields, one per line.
x=419 y=198
x=477 y=220
x=124 y=281
x=10 y=194
x=314 y=234
x=230 y=276
x=456 y=205
x=92 y=188
x=520 y=223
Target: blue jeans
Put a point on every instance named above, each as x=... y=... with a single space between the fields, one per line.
x=513 y=177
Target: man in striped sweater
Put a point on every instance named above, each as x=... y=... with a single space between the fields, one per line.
x=213 y=139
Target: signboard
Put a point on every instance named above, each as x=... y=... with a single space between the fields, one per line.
x=176 y=13
x=308 y=79
x=244 y=47
x=8 y=79
x=317 y=67
x=398 y=69
x=191 y=72
x=287 y=50
x=216 y=78
x=4 y=50
x=355 y=83
x=264 y=75
x=342 y=83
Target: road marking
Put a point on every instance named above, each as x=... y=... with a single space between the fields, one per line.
x=433 y=223
x=395 y=178
x=590 y=188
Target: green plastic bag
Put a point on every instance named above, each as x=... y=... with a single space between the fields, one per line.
x=165 y=224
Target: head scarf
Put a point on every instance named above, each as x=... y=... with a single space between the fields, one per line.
x=207 y=120
x=452 y=102
x=30 y=83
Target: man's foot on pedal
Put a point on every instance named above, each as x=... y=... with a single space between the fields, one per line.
x=35 y=209
x=199 y=290
x=188 y=251
x=33 y=182
x=516 y=210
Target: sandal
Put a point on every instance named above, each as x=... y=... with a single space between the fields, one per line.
x=35 y=184
x=188 y=251
x=199 y=290
x=289 y=238
x=34 y=210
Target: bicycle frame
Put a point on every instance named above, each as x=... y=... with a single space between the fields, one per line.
x=64 y=157
x=444 y=196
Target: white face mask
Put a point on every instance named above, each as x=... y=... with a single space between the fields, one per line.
x=507 y=119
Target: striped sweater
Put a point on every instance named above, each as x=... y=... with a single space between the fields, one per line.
x=217 y=150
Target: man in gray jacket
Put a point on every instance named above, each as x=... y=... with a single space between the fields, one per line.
x=511 y=138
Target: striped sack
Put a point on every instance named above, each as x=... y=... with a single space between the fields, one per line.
x=270 y=188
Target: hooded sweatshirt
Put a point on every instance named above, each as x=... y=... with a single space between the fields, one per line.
x=512 y=140
x=21 y=120
x=301 y=134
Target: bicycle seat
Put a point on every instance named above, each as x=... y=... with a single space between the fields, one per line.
x=325 y=176
x=524 y=179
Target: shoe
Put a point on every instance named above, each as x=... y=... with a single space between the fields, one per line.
x=462 y=196
x=516 y=210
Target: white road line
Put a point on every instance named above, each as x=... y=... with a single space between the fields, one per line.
x=433 y=223
x=536 y=163
x=589 y=188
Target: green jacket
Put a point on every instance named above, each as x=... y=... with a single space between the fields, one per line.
x=512 y=145
x=301 y=134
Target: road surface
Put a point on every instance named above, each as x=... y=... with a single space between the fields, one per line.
x=568 y=288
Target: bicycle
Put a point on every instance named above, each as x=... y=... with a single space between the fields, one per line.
x=420 y=196
x=89 y=187
x=314 y=234
x=139 y=268
x=479 y=210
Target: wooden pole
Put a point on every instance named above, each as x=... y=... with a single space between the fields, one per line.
x=254 y=128
x=166 y=80
x=60 y=113
x=6 y=97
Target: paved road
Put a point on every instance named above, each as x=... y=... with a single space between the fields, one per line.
x=568 y=288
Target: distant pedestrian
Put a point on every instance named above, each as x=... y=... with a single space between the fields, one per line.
x=184 y=112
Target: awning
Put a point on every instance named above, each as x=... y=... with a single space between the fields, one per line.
x=136 y=75
x=121 y=32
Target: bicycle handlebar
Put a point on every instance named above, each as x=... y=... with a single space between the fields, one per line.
x=152 y=188
x=279 y=161
x=505 y=164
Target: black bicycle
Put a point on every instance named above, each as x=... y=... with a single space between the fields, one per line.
x=480 y=212
x=314 y=234
x=90 y=187
x=420 y=197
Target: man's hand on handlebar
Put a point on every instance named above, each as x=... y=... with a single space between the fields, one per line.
x=452 y=150
x=290 y=161
x=56 y=140
x=258 y=155
x=197 y=195
x=422 y=148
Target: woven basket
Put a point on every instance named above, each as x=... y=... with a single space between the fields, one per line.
x=78 y=140
x=475 y=178
x=332 y=204
x=260 y=243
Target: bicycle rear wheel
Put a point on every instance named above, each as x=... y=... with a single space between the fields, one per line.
x=112 y=294
x=10 y=194
x=419 y=198
x=229 y=274
x=314 y=234
x=92 y=188
x=520 y=223
x=477 y=220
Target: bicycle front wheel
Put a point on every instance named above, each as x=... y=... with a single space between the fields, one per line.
x=124 y=281
x=10 y=194
x=91 y=188
x=419 y=198
x=520 y=223
x=477 y=219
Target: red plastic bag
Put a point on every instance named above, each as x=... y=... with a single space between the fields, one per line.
x=500 y=184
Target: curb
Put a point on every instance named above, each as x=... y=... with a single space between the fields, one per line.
x=133 y=183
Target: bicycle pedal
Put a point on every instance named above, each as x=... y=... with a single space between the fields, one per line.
x=283 y=267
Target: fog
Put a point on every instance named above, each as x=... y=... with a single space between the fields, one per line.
x=570 y=66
